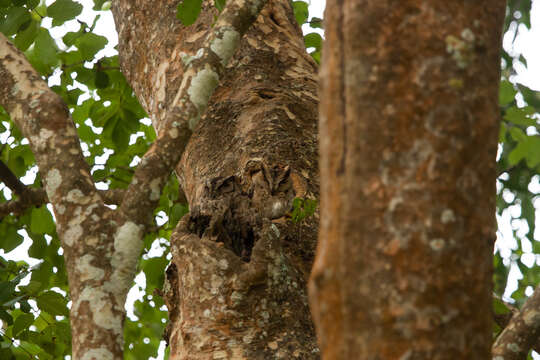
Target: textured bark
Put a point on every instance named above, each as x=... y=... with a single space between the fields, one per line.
x=84 y=224
x=237 y=285
x=522 y=332
x=102 y=246
x=409 y=125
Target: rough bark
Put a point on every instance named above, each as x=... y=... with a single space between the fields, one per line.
x=102 y=246
x=408 y=128
x=522 y=332
x=237 y=285
x=83 y=222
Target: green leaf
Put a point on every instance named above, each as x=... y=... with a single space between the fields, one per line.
x=22 y=322
x=301 y=12
x=14 y=19
x=32 y=287
x=25 y=38
x=313 y=40
x=70 y=37
x=506 y=92
x=154 y=270
x=10 y=238
x=188 y=11
x=5 y=316
x=520 y=116
x=530 y=96
x=502 y=132
x=177 y=211
x=63 y=10
x=98 y=5
x=6 y=291
x=220 y=4
x=517 y=134
x=89 y=44
x=106 y=6
x=528 y=149
x=53 y=303
x=45 y=48
x=101 y=80
x=41 y=221
x=29 y=347
x=316 y=23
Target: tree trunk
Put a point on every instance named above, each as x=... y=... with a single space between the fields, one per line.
x=409 y=127
x=237 y=284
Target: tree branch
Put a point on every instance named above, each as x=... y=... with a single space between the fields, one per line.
x=10 y=180
x=522 y=332
x=201 y=77
x=44 y=119
x=38 y=197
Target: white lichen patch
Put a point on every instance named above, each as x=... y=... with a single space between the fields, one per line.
x=127 y=238
x=45 y=134
x=531 y=317
x=173 y=133
x=215 y=282
x=53 y=180
x=99 y=353
x=275 y=230
x=77 y=197
x=86 y=271
x=72 y=234
x=462 y=48
x=100 y=305
x=60 y=209
x=127 y=248
x=225 y=47
x=223 y=264
x=447 y=216
x=467 y=35
x=202 y=86
x=513 y=347
x=437 y=244
x=155 y=189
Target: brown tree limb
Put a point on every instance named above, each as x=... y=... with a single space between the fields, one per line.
x=38 y=197
x=201 y=76
x=45 y=121
x=33 y=197
x=85 y=226
x=10 y=180
x=99 y=288
x=522 y=332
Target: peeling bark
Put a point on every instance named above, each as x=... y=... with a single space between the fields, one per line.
x=409 y=127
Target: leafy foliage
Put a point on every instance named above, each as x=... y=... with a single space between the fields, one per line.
x=312 y=39
x=188 y=11
x=114 y=133
x=302 y=208
x=518 y=164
